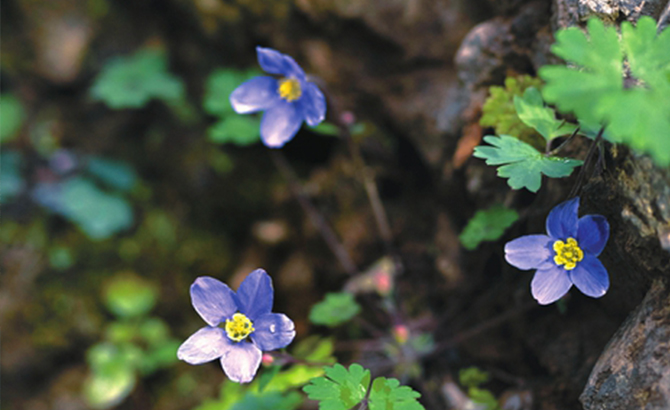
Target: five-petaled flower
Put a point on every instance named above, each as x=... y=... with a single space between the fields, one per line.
x=244 y=315
x=567 y=256
x=287 y=101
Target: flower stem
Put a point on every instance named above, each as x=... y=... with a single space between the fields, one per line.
x=317 y=219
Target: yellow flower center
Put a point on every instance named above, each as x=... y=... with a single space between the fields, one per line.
x=568 y=253
x=289 y=89
x=239 y=327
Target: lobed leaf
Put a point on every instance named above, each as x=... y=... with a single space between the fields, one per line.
x=335 y=309
x=340 y=389
x=487 y=225
x=387 y=394
x=531 y=110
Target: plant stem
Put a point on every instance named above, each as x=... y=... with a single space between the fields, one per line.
x=587 y=160
x=317 y=219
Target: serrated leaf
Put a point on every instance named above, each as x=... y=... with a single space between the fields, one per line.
x=132 y=81
x=581 y=90
x=648 y=54
x=531 y=110
x=521 y=163
x=387 y=394
x=340 y=389
x=487 y=225
x=335 y=309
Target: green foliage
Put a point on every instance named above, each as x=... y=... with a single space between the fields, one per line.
x=531 y=110
x=129 y=296
x=487 y=225
x=499 y=110
x=521 y=163
x=335 y=309
x=98 y=214
x=230 y=128
x=592 y=86
x=387 y=394
x=472 y=378
x=269 y=401
x=342 y=389
x=12 y=116
x=134 y=346
x=10 y=171
x=131 y=82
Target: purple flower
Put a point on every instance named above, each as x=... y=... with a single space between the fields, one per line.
x=567 y=256
x=244 y=315
x=287 y=101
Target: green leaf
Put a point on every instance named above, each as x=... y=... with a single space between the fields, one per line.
x=12 y=116
x=521 y=163
x=154 y=331
x=115 y=174
x=11 y=183
x=326 y=128
x=269 y=401
x=98 y=214
x=267 y=376
x=487 y=225
x=472 y=376
x=484 y=398
x=130 y=296
x=335 y=309
x=592 y=87
x=532 y=111
x=238 y=129
x=387 y=394
x=340 y=389
x=131 y=82
x=500 y=113
x=582 y=90
x=106 y=390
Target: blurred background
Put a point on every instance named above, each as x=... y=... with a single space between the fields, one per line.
x=125 y=175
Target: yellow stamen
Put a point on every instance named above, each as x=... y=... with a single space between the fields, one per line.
x=568 y=253
x=239 y=327
x=289 y=89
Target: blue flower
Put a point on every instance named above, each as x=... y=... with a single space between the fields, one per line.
x=244 y=315
x=287 y=101
x=567 y=256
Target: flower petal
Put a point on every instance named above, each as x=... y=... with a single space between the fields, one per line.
x=593 y=233
x=273 y=331
x=280 y=123
x=213 y=300
x=549 y=285
x=529 y=252
x=257 y=94
x=274 y=62
x=203 y=346
x=241 y=361
x=256 y=295
x=562 y=220
x=313 y=104
x=590 y=276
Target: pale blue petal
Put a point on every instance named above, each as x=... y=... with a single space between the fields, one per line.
x=274 y=62
x=529 y=252
x=590 y=276
x=241 y=361
x=273 y=331
x=205 y=345
x=593 y=233
x=562 y=220
x=280 y=124
x=549 y=285
x=213 y=300
x=313 y=104
x=257 y=94
x=255 y=295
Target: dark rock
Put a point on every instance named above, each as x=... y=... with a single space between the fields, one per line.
x=634 y=370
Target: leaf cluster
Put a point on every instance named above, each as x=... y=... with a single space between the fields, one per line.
x=342 y=389
x=335 y=309
x=592 y=84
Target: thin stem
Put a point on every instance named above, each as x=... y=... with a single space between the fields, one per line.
x=317 y=219
x=587 y=160
x=563 y=144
